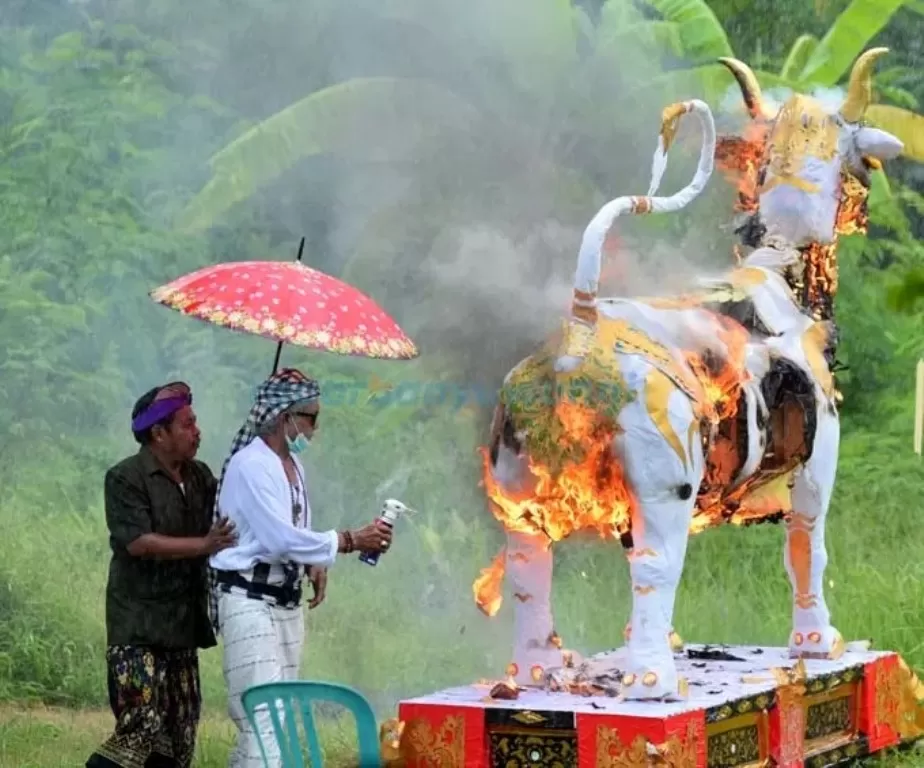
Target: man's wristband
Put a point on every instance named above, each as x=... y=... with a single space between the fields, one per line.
x=348 y=545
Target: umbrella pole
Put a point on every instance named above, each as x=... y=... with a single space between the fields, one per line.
x=301 y=250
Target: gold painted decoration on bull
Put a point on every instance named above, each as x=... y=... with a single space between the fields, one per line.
x=567 y=423
x=733 y=288
x=561 y=414
x=802 y=129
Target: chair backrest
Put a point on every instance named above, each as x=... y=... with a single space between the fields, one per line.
x=293 y=696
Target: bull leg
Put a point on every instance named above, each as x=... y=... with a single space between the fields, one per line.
x=663 y=472
x=528 y=568
x=529 y=571
x=655 y=567
x=673 y=637
x=805 y=555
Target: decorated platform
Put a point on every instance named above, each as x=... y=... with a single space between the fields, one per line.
x=746 y=707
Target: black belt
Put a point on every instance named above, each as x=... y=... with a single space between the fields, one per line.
x=257 y=590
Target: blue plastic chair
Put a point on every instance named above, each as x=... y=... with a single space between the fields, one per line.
x=298 y=695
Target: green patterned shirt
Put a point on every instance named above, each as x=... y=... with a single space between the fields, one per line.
x=153 y=602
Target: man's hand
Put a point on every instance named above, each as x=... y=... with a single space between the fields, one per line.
x=156 y=546
x=318 y=578
x=375 y=537
x=221 y=536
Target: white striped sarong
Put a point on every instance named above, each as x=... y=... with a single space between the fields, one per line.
x=262 y=644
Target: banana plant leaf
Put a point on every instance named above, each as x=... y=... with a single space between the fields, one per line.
x=846 y=39
x=702 y=35
x=333 y=120
x=798 y=57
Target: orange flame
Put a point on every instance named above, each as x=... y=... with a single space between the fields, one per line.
x=487 y=587
x=820 y=279
x=722 y=378
x=740 y=158
x=589 y=495
x=592 y=494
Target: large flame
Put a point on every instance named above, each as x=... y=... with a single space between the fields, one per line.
x=591 y=494
x=722 y=377
x=588 y=495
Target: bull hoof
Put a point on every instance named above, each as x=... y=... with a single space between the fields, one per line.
x=653 y=684
x=529 y=669
x=822 y=643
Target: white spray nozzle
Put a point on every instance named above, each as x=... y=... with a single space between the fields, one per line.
x=397 y=508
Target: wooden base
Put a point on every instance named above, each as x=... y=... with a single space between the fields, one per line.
x=747 y=707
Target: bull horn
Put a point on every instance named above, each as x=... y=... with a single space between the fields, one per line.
x=859 y=90
x=750 y=88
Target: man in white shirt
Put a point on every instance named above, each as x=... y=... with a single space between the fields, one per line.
x=256 y=585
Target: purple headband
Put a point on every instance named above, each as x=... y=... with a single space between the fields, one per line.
x=162 y=407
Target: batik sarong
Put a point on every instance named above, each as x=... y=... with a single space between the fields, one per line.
x=154 y=695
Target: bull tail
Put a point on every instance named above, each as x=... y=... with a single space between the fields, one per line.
x=587 y=277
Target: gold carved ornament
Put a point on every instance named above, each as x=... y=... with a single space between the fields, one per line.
x=899 y=701
x=427 y=747
x=390 y=733
x=791 y=686
x=911 y=725
x=673 y=753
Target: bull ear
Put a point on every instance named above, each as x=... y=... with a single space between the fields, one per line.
x=879 y=144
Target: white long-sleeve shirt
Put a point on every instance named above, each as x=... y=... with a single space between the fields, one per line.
x=256 y=497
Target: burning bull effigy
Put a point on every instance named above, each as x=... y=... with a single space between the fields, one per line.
x=646 y=420
x=650 y=419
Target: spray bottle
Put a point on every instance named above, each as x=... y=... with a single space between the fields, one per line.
x=392 y=509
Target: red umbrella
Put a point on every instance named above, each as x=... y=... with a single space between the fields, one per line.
x=289 y=303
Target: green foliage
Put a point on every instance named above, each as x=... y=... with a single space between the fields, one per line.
x=846 y=39
x=798 y=56
x=405 y=113
x=80 y=204
x=701 y=34
x=905 y=295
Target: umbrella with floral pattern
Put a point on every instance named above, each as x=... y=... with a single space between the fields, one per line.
x=289 y=303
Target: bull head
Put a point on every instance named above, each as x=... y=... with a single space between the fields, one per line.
x=808 y=148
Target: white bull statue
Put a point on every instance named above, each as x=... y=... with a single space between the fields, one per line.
x=647 y=419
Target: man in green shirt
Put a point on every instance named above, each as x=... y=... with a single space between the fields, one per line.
x=159 y=511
